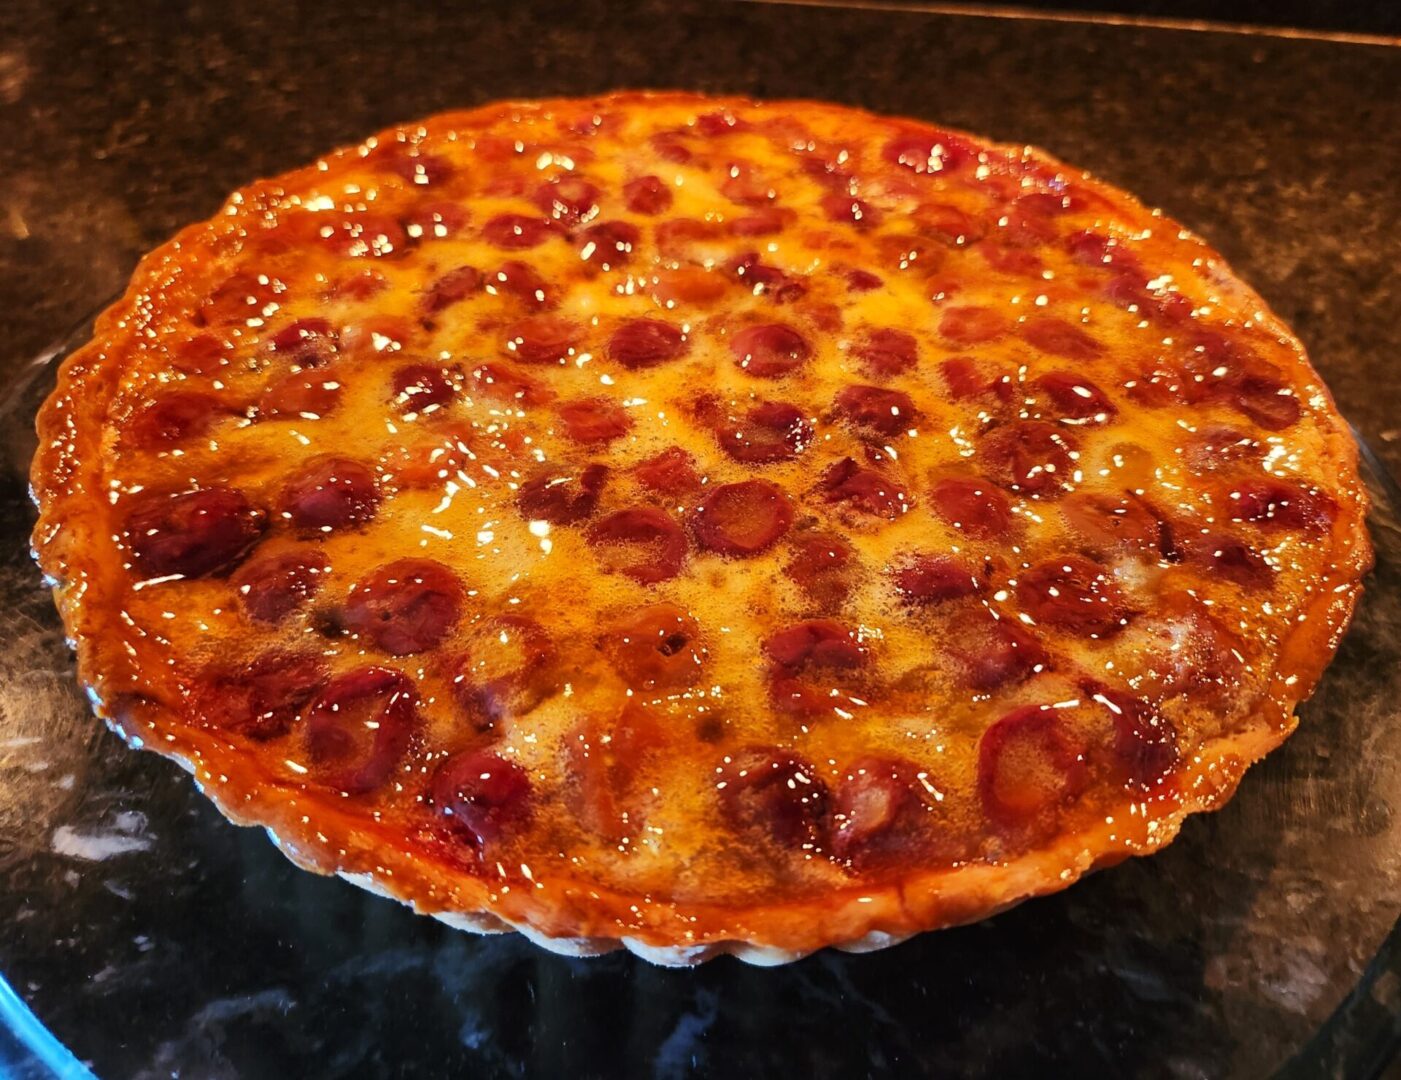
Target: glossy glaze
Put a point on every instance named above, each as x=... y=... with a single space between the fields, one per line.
x=708 y=499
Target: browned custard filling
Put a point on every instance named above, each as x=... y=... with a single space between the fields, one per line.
x=711 y=503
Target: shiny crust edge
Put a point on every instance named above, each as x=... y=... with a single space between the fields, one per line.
x=853 y=919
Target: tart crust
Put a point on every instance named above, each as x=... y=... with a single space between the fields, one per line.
x=582 y=918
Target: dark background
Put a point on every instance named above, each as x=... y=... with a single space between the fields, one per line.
x=204 y=953
x=1352 y=16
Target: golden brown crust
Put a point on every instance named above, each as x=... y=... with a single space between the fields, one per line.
x=585 y=916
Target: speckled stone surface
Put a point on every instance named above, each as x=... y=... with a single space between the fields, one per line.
x=154 y=938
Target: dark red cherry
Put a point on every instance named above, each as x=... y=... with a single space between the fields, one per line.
x=271 y=587
x=261 y=700
x=1029 y=456
x=867 y=490
x=1075 y=594
x=330 y=493
x=452 y=288
x=774 y=794
x=744 y=518
x=561 y=498
x=770 y=350
x=359 y=728
x=406 y=607
x=594 y=421
x=516 y=232
x=877 y=410
x=175 y=416
x=647 y=195
x=672 y=472
x=657 y=647
x=481 y=796
x=887 y=352
x=645 y=343
x=927 y=579
x=1029 y=765
x=508 y=669
x=974 y=507
x=191 y=534
x=643 y=543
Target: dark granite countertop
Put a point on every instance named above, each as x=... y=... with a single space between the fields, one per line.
x=120 y=123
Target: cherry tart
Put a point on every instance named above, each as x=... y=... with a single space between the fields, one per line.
x=698 y=525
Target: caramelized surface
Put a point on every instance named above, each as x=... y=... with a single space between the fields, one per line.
x=704 y=501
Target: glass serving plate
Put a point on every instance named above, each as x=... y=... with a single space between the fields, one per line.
x=147 y=936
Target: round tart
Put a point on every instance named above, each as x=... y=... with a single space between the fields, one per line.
x=698 y=525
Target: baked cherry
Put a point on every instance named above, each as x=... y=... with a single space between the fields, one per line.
x=1233 y=560
x=307 y=395
x=886 y=351
x=561 y=498
x=261 y=700
x=272 y=587
x=822 y=566
x=642 y=543
x=359 y=727
x=306 y=342
x=1281 y=504
x=1033 y=457
x=876 y=409
x=452 y=288
x=1269 y=402
x=1073 y=398
x=594 y=420
x=647 y=195
x=770 y=350
x=744 y=518
x=1074 y=594
x=505 y=384
x=769 y=431
x=524 y=282
x=658 y=647
x=570 y=199
x=1029 y=766
x=1145 y=742
x=608 y=243
x=995 y=653
x=969 y=380
x=974 y=507
x=645 y=343
x=481 y=796
x=876 y=811
x=330 y=493
x=672 y=472
x=422 y=387
x=541 y=339
x=1056 y=336
x=175 y=416
x=408 y=606
x=762 y=221
x=191 y=534
x=867 y=490
x=929 y=152
x=1110 y=523
x=364 y=236
x=971 y=325
x=812 y=664
x=774 y=794
x=507 y=670
x=860 y=281
x=928 y=578
x=849 y=210
x=516 y=232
